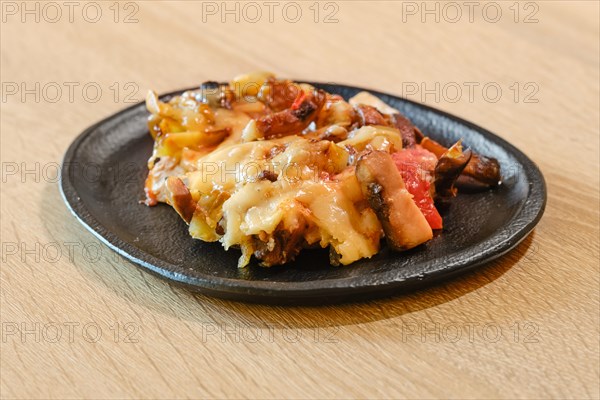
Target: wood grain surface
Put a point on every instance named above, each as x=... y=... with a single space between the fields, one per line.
x=81 y=322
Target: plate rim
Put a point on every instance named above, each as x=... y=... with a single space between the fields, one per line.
x=378 y=282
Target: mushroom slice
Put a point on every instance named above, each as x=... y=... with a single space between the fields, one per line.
x=411 y=135
x=480 y=173
x=448 y=168
x=370 y=115
x=403 y=223
x=180 y=198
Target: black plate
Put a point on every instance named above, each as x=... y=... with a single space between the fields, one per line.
x=102 y=181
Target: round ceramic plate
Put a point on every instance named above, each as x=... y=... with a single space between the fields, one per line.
x=102 y=182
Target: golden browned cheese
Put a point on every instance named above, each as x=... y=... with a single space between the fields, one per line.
x=308 y=179
x=218 y=166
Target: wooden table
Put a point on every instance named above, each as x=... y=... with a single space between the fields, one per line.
x=79 y=322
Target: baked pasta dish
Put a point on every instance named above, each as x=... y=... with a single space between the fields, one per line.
x=273 y=167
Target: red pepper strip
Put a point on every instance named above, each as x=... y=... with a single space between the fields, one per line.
x=299 y=99
x=412 y=164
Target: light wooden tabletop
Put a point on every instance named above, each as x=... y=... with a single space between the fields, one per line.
x=80 y=322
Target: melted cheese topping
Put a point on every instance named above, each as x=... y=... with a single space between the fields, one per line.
x=309 y=181
x=275 y=196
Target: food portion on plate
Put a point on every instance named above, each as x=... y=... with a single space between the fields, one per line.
x=273 y=167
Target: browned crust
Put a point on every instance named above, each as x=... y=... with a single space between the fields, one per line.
x=369 y=115
x=292 y=121
x=181 y=198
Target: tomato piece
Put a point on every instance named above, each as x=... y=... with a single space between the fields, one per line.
x=416 y=166
x=299 y=99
